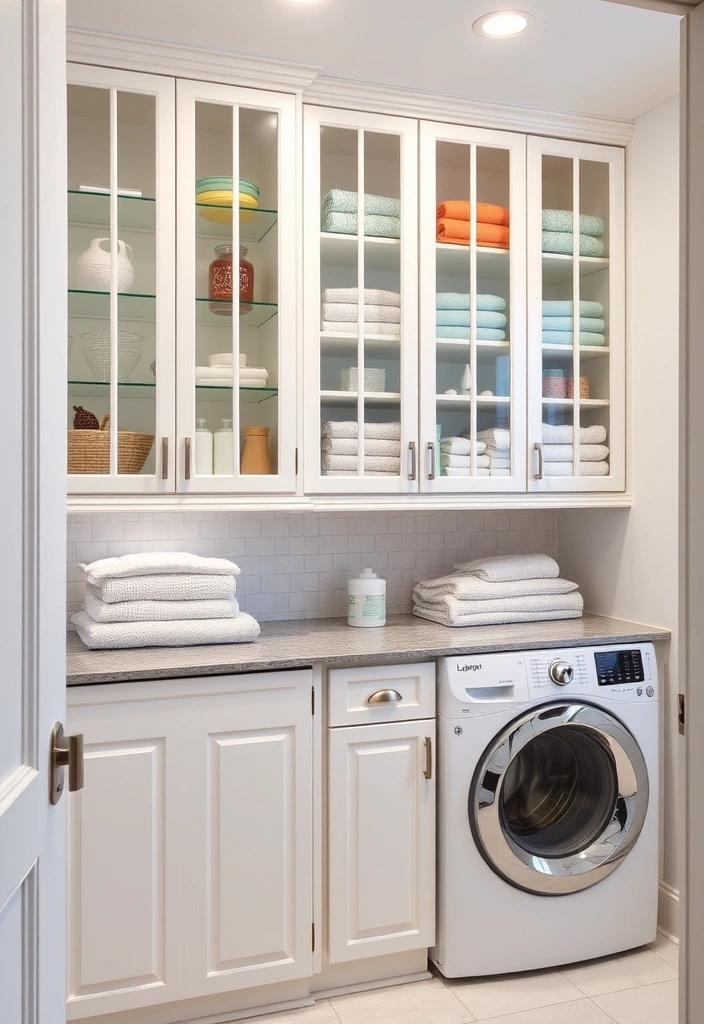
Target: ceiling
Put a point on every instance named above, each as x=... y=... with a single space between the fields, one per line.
x=582 y=56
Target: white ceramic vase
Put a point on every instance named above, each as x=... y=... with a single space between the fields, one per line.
x=93 y=266
x=466 y=382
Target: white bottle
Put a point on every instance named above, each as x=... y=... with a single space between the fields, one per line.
x=366 y=599
x=204 y=449
x=224 y=449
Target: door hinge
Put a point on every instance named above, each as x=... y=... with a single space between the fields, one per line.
x=312 y=700
x=681 y=712
x=296 y=461
x=312 y=936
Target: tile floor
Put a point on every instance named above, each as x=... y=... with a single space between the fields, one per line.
x=631 y=988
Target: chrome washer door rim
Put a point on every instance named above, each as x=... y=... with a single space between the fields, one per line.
x=558 y=876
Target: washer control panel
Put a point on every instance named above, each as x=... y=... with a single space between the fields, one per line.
x=614 y=668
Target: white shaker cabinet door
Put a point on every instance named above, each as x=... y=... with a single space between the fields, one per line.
x=382 y=839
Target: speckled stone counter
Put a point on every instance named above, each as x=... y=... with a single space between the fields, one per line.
x=305 y=642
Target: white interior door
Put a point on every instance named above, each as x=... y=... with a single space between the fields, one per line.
x=32 y=506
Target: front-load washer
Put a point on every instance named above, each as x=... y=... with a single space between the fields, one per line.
x=547 y=807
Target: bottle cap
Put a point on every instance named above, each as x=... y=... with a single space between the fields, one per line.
x=368 y=574
x=226 y=425
x=200 y=425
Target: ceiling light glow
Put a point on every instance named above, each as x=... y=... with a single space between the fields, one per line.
x=503 y=24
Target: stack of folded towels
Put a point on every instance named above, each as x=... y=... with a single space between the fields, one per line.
x=497 y=589
x=558 y=233
x=453 y=223
x=339 y=452
x=497 y=450
x=339 y=309
x=558 y=451
x=452 y=316
x=222 y=376
x=162 y=599
x=456 y=457
x=381 y=214
x=558 y=323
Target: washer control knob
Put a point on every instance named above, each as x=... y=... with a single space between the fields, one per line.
x=560 y=672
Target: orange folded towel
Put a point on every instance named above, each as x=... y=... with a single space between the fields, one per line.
x=487 y=213
x=457 y=232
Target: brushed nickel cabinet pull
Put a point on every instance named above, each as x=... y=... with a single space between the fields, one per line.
x=412 y=450
x=538 y=450
x=188 y=459
x=431 y=449
x=65 y=752
x=428 y=772
x=384 y=697
x=164 y=458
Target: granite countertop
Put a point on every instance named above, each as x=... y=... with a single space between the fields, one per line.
x=304 y=642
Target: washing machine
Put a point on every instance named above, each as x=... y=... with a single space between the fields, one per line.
x=547 y=807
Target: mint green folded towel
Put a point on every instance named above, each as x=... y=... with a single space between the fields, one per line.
x=461 y=318
x=562 y=220
x=566 y=323
x=374 y=224
x=462 y=333
x=564 y=307
x=460 y=300
x=340 y=201
x=566 y=337
x=562 y=242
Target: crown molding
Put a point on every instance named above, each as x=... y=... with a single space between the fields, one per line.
x=173 y=59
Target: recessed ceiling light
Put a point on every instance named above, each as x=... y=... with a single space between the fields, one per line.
x=503 y=24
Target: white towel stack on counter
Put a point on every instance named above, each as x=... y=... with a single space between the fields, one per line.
x=339 y=453
x=497 y=451
x=162 y=599
x=558 y=452
x=381 y=311
x=498 y=589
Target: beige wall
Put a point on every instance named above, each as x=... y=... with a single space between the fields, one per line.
x=627 y=560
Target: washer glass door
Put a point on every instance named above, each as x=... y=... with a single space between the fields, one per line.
x=559 y=798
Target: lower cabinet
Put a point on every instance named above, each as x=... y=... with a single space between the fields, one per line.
x=190 y=846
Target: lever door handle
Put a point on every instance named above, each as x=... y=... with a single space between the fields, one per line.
x=65 y=752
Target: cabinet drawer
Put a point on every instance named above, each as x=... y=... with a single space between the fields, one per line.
x=381 y=693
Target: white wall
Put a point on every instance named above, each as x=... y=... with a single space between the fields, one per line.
x=627 y=560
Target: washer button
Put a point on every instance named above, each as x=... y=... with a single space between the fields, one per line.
x=639 y=691
x=650 y=691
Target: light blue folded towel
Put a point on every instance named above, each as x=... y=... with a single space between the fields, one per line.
x=562 y=242
x=374 y=224
x=340 y=201
x=461 y=318
x=562 y=220
x=566 y=338
x=564 y=307
x=566 y=323
x=462 y=333
x=460 y=300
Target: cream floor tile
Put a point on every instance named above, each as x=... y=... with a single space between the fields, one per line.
x=423 y=1002
x=584 y=1011
x=667 y=949
x=614 y=973
x=494 y=997
x=321 y=1013
x=651 y=1004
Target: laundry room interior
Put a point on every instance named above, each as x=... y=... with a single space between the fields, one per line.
x=454 y=424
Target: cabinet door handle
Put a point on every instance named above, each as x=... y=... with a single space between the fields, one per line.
x=188 y=458
x=164 y=458
x=428 y=771
x=431 y=449
x=65 y=752
x=384 y=697
x=412 y=450
x=538 y=450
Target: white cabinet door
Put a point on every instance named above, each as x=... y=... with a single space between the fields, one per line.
x=576 y=317
x=381 y=839
x=473 y=309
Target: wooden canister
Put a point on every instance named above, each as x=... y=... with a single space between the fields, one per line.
x=255 y=453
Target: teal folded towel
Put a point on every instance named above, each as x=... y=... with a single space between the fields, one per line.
x=374 y=224
x=562 y=242
x=460 y=300
x=566 y=337
x=562 y=220
x=339 y=201
x=462 y=333
x=461 y=318
x=564 y=307
x=566 y=323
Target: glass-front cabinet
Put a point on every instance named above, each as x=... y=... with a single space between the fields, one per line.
x=473 y=302
x=576 y=317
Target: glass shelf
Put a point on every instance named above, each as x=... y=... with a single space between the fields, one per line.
x=92 y=209
x=248 y=396
x=92 y=305
x=253 y=228
x=218 y=313
x=142 y=389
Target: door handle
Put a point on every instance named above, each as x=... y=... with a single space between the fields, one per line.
x=164 y=458
x=65 y=752
x=187 y=472
x=428 y=771
x=412 y=450
x=431 y=449
x=538 y=450
x=384 y=697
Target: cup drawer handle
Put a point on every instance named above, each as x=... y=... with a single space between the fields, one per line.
x=384 y=697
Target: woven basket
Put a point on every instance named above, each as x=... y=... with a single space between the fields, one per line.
x=89 y=450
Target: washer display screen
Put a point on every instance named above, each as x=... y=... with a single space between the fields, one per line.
x=617 y=667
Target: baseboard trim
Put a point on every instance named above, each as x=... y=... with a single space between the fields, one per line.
x=669 y=911
x=367 y=986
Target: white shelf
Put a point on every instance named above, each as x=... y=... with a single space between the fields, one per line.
x=453 y=260
x=341 y=251
x=459 y=348
x=447 y=401
x=377 y=346
x=590 y=403
x=559 y=268
x=371 y=398
x=585 y=351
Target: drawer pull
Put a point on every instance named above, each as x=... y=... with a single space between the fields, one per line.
x=428 y=772
x=384 y=697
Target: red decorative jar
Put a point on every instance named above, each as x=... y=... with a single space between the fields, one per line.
x=220 y=280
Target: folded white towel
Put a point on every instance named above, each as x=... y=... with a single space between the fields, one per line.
x=472 y=588
x=496 y=437
x=348 y=446
x=441 y=615
x=157 y=611
x=349 y=463
x=464 y=471
x=460 y=461
x=367 y=472
x=461 y=446
x=455 y=608
x=350 y=428
x=370 y=327
x=585 y=469
x=565 y=434
x=564 y=452
x=228 y=382
x=173 y=587
x=181 y=633
x=151 y=563
x=499 y=472
x=496 y=462
x=346 y=312
x=227 y=373
x=505 y=568
x=372 y=296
